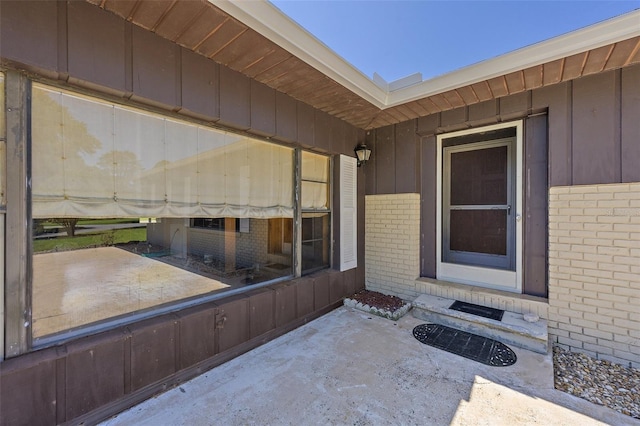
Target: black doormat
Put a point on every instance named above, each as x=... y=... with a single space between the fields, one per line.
x=478 y=348
x=481 y=311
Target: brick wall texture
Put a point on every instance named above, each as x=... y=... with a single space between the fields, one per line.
x=594 y=270
x=392 y=240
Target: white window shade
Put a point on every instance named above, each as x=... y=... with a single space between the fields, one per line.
x=348 y=213
x=315 y=181
x=94 y=159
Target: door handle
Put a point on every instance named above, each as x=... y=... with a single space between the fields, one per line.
x=509 y=210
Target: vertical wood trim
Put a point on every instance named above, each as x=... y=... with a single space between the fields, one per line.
x=61 y=385
x=63 y=45
x=535 y=259
x=127 y=363
x=178 y=77
x=617 y=129
x=128 y=57
x=18 y=228
x=369 y=170
x=297 y=214
x=428 y=202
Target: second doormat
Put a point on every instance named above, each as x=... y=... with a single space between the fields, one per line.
x=477 y=348
x=482 y=311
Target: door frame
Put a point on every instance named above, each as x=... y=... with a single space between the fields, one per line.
x=498 y=279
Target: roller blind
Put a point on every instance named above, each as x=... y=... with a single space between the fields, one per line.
x=91 y=158
x=315 y=181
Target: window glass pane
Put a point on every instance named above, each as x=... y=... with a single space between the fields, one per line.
x=479 y=231
x=132 y=211
x=315 y=241
x=479 y=176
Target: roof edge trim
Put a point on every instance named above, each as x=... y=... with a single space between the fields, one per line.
x=271 y=22
x=592 y=37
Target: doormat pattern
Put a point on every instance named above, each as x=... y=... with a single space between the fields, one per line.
x=477 y=348
x=482 y=311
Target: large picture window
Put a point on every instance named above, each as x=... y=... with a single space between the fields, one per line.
x=134 y=211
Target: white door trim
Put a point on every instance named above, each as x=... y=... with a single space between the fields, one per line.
x=474 y=275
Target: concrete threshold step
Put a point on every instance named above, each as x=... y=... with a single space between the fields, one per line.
x=513 y=329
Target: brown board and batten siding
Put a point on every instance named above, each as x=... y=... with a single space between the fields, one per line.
x=80 y=46
x=584 y=131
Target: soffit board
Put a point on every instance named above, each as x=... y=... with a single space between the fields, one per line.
x=256 y=39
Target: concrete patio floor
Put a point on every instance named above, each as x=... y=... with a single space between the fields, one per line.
x=348 y=367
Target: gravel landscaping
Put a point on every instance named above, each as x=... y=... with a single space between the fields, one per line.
x=598 y=381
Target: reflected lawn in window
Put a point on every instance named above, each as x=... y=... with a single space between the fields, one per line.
x=116 y=267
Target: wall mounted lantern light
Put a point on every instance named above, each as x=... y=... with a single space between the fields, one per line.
x=363 y=153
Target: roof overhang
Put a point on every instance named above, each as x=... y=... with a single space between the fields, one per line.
x=269 y=21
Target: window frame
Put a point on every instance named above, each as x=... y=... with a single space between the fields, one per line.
x=18 y=337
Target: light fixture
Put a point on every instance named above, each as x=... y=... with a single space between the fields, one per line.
x=362 y=153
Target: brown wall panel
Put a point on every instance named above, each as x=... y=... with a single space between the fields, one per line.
x=155 y=68
x=285 y=303
x=94 y=373
x=336 y=287
x=341 y=136
x=28 y=394
x=197 y=334
x=360 y=278
x=535 y=207
x=306 y=124
x=406 y=157
x=385 y=161
x=96 y=46
x=235 y=99
x=515 y=106
x=557 y=99
x=200 y=85
x=29 y=33
x=232 y=322
x=320 y=291
x=483 y=112
x=453 y=119
x=323 y=130
x=630 y=131
x=304 y=296
x=596 y=134
x=428 y=207
x=263 y=109
x=261 y=311
x=286 y=117
x=368 y=171
x=153 y=354
x=355 y=276
x=429 y=124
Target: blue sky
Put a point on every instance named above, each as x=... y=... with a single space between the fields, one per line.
x=399 y=38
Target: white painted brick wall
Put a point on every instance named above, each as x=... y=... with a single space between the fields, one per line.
x=392 y=241
x=594 y=270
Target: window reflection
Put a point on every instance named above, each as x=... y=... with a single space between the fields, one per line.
x=132 y=210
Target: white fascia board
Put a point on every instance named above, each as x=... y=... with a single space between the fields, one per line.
x=607 y=32
x=268 y=20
